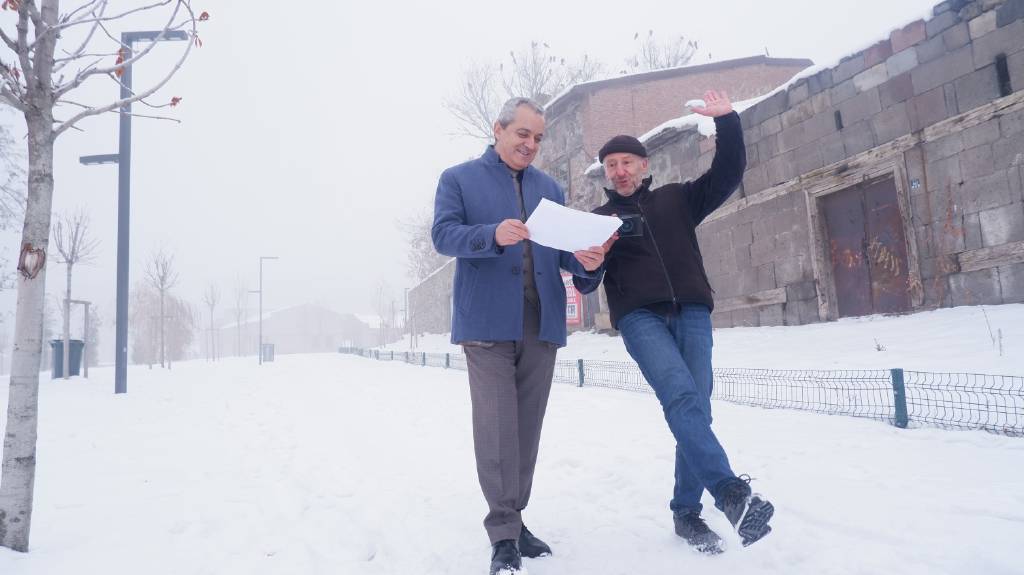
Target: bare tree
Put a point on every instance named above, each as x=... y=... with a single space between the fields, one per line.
x=161 y=275
x=178 y=322
x=241 y=298
x=39 y=80
x=211 y=297
x=652 y=54
x=12 y=179
x=533 y=71
x=421 y=258
x=92 y=337
x=74 y=246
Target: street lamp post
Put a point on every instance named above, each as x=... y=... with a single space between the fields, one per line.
x=123 y=159
x=259 y=351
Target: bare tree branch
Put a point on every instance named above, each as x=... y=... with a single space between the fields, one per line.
x=83 y=75
x=72 y=237
x=62 y=127
x=80 y=51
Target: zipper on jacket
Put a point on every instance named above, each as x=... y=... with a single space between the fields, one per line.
x=657 y=252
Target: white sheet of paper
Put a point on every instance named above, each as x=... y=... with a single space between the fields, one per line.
x=567 y=229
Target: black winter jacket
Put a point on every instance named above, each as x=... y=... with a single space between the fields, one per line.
x=663 y=268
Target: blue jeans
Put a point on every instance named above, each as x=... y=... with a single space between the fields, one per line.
x=674 y=354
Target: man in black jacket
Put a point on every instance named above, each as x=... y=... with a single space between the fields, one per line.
x=661 y=301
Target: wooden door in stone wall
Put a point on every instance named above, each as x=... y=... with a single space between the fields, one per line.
x=867 y=249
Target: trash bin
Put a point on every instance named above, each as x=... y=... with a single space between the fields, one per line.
x=268 y=352
x=57 y=348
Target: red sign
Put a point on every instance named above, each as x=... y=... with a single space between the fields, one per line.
x=573 y=302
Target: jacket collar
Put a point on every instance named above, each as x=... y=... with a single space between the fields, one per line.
x=491 y=157
x=644 y=189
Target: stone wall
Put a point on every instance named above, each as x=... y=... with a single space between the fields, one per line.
x=430 y=302
x=929 y=108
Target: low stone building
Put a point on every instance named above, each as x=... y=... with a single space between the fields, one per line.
x=584 y=117
x=889 y=183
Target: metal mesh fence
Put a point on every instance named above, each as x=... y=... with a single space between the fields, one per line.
x=951 y=400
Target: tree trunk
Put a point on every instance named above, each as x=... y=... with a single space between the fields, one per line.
x=162 y=329
x=19 y=457
x=67 y=327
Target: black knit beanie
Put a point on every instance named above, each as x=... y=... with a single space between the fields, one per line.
x=622 y=144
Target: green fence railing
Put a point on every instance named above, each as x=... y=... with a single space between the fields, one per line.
x=903 y=398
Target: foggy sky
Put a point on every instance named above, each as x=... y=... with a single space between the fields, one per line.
x=308 y=129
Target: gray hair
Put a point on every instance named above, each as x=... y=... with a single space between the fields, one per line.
x=508 y=110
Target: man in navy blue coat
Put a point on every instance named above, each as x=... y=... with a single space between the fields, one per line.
x=509 y=314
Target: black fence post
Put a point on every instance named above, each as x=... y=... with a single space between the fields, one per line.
x=424 y=363
x=899 y=393
x=447 y=360
x=579 y=366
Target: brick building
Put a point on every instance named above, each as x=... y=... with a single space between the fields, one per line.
x=584 y=117
x=889 y=183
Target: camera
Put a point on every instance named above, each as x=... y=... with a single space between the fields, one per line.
x=632 y=226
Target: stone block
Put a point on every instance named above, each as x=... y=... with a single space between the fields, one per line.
x=843 y=92
x=861 y=106
x=944 y=173
x=985 y=193
x=742 y=234
x=943 y=7
x=808 y=310
x=770 y=315
x=1005 y=40
x=801 y=290
x=791 y=138
x=831 y=147
x=799 y=92
x=972 y=232
x=820 y=82
x=771 y=126
x=891 y=123
x=942 y=70
x=782 y=168
x=858 y=138
x=1011 y=283
x=940 y=23
x=908 y=35
x=944 y=147
x=1002 y=225
x=877 y=53
x=977 y=162
x=1012 y=124
x=766 y=276
x=901 y=62
x=929 y=108
x=809 y=158
x=848 y=68
x=871 y=77
x=755 y=179
x=721 y=319
x=790 y=313
x=1008 y=152
x=741 y=257
x=762 y=250
x=793 y=269
x=1010 y=12
x=957 y=36
x=897 y=89
x=981 y=134
x=937 y=293
x=976 y=89
x=979 y=287
x=930 y=49
x=982 y=25
x=1015 y=63
x=746 y=317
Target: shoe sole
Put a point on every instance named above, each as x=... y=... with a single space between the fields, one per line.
x=753 y=526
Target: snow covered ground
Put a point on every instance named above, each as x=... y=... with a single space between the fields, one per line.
x=946 y=340
x=342 y=465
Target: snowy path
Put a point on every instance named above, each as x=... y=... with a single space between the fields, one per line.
x=342 y=465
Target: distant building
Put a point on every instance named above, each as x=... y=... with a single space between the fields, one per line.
x=306 y=328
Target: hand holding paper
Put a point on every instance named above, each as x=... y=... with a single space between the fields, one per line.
x=567 y=229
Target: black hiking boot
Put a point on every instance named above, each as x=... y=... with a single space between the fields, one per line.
x=691 y=527
x=505 y=558
x=748 y=512
x=530 y=546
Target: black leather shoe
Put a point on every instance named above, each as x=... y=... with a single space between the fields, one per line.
x=530 y=546
x=505 y=557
